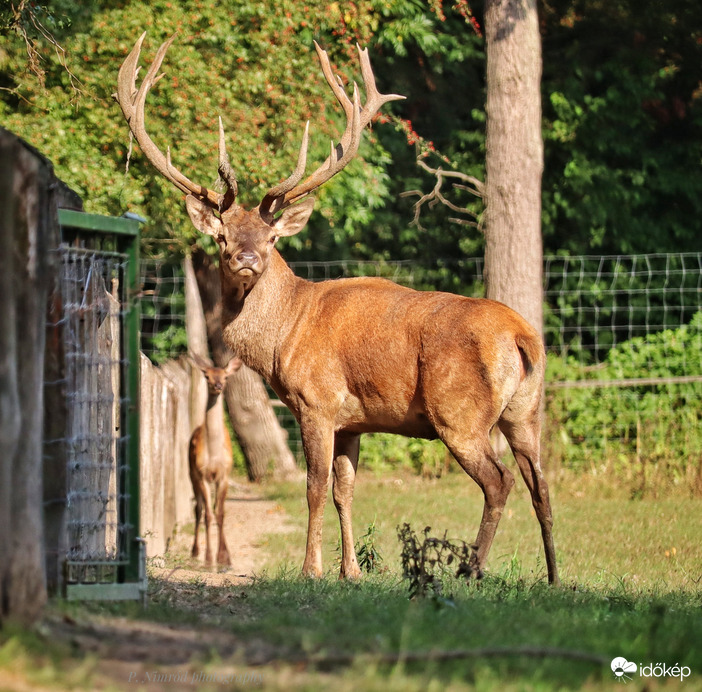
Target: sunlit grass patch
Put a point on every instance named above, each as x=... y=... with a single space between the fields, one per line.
x=602 y=536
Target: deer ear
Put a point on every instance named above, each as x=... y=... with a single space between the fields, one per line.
x=233 y=365
x=203 y=216
x=199 y=361
x=294 y=218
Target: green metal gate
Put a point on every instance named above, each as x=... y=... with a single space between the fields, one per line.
x=98 y=328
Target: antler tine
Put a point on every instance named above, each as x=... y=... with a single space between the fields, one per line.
x=374 y=99
x=132 y=102
x=225 y=168
x=357 y=118
x=270 y=203
x=334 y=81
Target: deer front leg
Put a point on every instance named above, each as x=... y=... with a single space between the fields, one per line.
x=202 y=495
x=202 y=503
x=346 y=450
x=318 y=444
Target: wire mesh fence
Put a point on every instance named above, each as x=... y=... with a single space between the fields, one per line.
x=162 y=310
x=90 y=287
x=90 y=392
x=624 y=382
x=596 y=303
x=624 y=385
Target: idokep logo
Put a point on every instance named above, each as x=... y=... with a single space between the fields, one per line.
x=623 y=670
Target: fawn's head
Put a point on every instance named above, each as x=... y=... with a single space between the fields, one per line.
x=216 y=377
x=246 y=238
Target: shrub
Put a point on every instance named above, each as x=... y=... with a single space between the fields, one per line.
x=637 y=413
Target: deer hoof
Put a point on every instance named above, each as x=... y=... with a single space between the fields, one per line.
x=311 y=572
x=352 y=574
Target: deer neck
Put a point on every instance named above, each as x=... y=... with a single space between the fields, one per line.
x=214 y=424
x=254 y=324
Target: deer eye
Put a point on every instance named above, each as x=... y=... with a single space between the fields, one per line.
x=272 y=240
x=221 y=239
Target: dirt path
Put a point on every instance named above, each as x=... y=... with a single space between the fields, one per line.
x=248 y=521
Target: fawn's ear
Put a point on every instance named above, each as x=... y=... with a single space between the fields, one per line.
x=203 y=216
x=199 y=361
x=233 y=365
x=294 y=218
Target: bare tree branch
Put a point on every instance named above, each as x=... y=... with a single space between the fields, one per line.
x=23 y=15
x=470 y=184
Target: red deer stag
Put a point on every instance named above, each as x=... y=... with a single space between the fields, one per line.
x=362 y=355
x=210 y=459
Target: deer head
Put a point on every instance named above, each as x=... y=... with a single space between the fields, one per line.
x=246 y=237
x=216 y=377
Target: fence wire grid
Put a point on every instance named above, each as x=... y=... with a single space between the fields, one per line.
x=623 y=335
x=91 y=292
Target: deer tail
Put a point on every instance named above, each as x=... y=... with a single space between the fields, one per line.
x=531 y=350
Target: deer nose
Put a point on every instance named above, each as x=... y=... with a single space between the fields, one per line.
x=247 y=257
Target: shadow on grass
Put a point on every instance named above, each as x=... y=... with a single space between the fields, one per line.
x=504 y=626
x=504 y=632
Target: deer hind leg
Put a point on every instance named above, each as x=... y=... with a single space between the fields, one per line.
x=346 y=450
x=318 y=444
x=524 y=440
x=479 y=461
x=198 y=516
x=223 y=557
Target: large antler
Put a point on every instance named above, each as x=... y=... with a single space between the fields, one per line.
x=132 y=104
x=291 y=190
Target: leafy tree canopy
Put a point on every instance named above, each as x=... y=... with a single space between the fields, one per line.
x=623 y=125
x=252 y=63
x=621 y=101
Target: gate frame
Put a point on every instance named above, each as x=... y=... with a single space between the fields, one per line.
x=131 y=575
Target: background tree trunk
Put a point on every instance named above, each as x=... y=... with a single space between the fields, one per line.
x=262 y=440
x=514 y=158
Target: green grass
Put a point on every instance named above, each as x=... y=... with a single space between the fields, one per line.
x=603 y=538
x=323 y=619
x=632 y=588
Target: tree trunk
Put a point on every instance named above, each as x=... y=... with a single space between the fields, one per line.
x=514 y=158
x=28 y=231
x=262 y=440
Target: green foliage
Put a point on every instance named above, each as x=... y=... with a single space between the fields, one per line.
x=621 y=101
x=368 y=553
x=644 y=432
x=427 y=562
x=622 y=125
x=254 y=67
x=595 y=302
x=384 y=451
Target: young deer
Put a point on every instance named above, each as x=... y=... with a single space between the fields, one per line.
x=362 y=355
x=210 y=458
